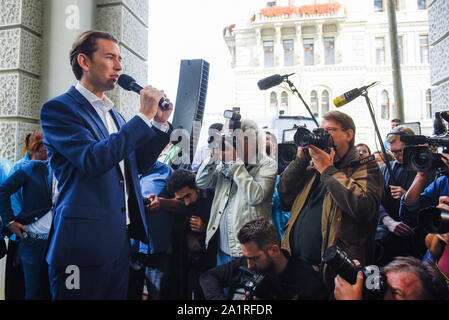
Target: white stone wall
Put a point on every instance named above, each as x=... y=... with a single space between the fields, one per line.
x=355 y=32
x=20 y=47
x=439 y=53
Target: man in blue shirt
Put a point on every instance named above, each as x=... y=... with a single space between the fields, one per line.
x=156 y=256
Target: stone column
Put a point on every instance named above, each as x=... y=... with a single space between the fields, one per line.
x=278 y=48
x=299 y=48
x=259 y=59
x=128 y=21
x=64 y=20
x=319 y=46
x=439 y=54
x=20 y=42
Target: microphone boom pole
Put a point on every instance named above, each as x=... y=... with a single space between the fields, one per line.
x=293 y=89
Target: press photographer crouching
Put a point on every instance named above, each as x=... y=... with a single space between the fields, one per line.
x=406 y=278
x=333 y=197
x=264 y=272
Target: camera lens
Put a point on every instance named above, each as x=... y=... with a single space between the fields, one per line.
x=302 y=137
x=434 y=220
x=340 y=263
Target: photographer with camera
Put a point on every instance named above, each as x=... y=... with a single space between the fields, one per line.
x=407 y=278
x=438 y=244
x=395 y=237
x=244 y=184
x=333 y=200
x=264 y=272
x=419 y=196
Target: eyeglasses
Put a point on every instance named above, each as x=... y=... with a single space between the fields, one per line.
x=396 y=151
x=331 y=129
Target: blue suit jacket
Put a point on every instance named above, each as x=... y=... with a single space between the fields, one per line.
x=35 y=179
x=89 y=220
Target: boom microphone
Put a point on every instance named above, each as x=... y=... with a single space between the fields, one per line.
x=272 y=81
x=351 y=95
x=129 y=83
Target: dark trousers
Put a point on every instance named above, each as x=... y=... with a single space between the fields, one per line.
x=35 y=268
x=157 y=276
x=136 y=276
x=106 y=282
x=154 y=270
x=14 y=278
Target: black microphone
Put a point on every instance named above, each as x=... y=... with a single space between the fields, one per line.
x=272 y=81
x=414 y=139
x=351 y=95
x=129 y=83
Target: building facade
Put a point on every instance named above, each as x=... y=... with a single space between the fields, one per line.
x=332 y=47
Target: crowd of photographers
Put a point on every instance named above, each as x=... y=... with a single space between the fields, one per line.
x=337 y=222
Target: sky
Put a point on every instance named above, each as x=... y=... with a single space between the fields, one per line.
x=193 y=29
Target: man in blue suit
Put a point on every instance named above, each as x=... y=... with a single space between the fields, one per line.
x=96 y=157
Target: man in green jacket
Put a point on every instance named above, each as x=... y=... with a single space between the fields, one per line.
x=333 y=199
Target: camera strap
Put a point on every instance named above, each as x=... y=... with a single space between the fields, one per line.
x=362 y=161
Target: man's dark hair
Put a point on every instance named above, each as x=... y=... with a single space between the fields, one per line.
x=86 y=43
x=179 y=179
x=262 y=231
x=396 y=120
x=433 y=285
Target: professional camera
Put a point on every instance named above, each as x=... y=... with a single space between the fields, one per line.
x=286 y=152
x=146 y=201
x=340 y=263
x=421 y=158
x=234 y=123
x=434 y=220
x=318 y=137
x=257 y=285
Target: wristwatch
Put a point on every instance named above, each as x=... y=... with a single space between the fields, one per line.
x=10 y=223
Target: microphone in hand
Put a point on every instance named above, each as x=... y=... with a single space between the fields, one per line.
x=129 y=83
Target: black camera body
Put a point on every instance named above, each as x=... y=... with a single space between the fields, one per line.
x=421 y=158
x=234 y=124
x=318 y=137
x=257 y=285
x=434 y=220
x=146 y=201
x=342 y=265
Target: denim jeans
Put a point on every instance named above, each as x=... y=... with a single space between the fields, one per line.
x=223 y=258
x=35 y=268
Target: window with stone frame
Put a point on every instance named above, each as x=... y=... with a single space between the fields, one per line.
x=380 y=50
x=428 y=104
x=288 y=52
x=329 y=50
x=273 y=99
x=381 y=5
x=308 y=44
x=422 y=4
x=268 y=48
x=284 y=99
x=314 y=103
x=384 y=106
x=324 y=102
x=424 y=48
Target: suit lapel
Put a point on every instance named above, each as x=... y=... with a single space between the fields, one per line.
x=89 y=114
